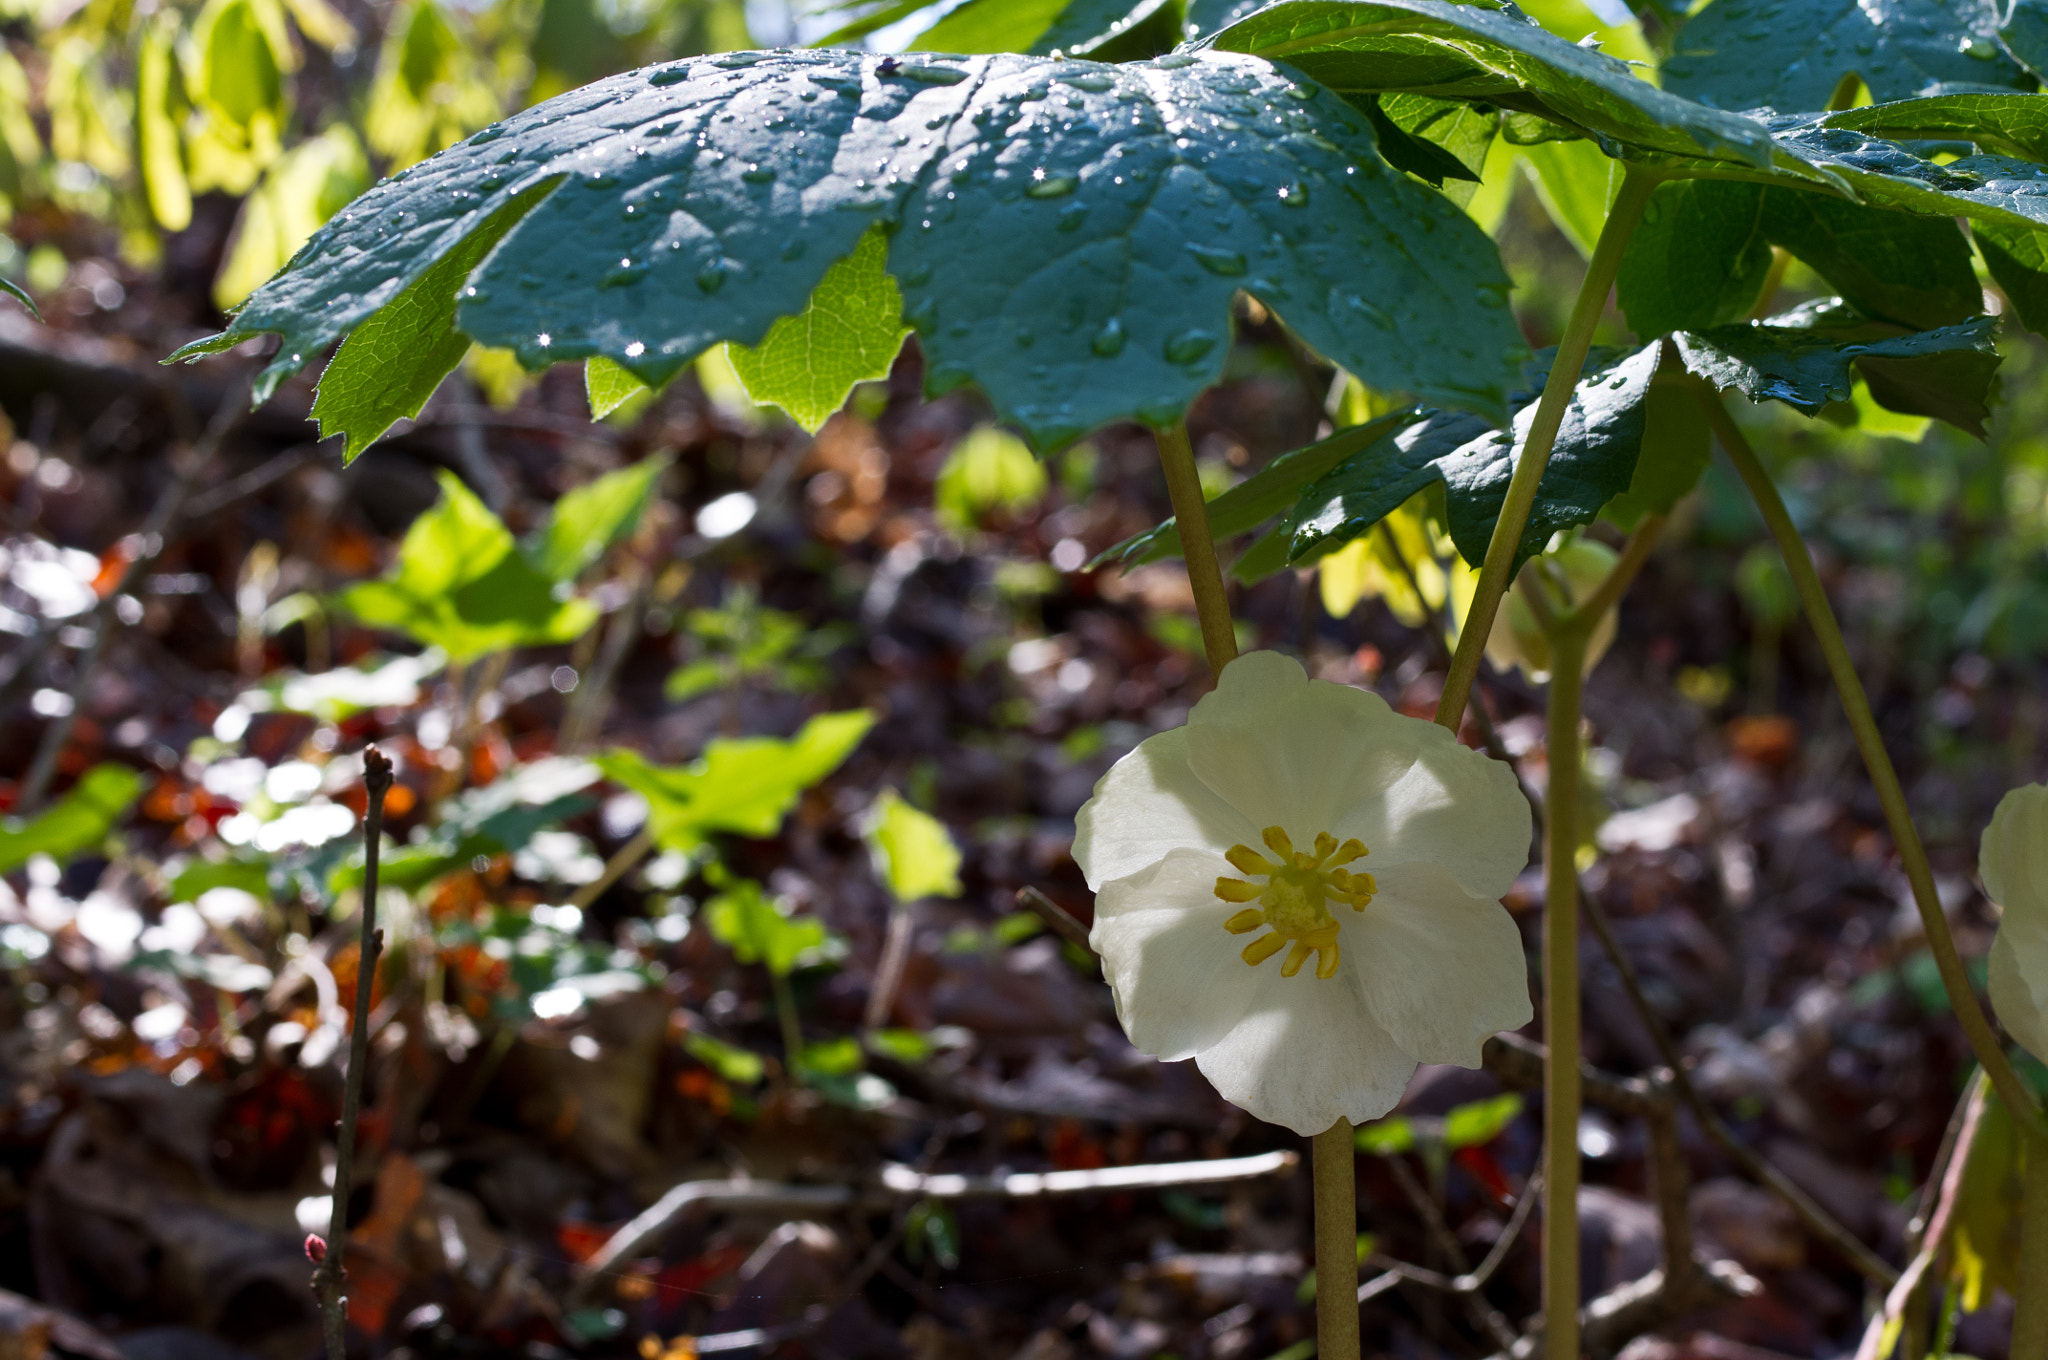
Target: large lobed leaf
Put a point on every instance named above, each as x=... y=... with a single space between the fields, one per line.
x=1477 y=51
x=1068 y=234
x=1792 y=54
x=1804 y=360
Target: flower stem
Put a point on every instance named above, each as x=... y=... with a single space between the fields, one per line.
x=1561 y=990
x=331 y=1275
x=1498 y=569
x=1198 y=549
x=1870 y=742
x=1336 y=1197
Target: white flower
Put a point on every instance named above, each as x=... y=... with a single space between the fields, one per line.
x=1414 y=962
x=2013 y=862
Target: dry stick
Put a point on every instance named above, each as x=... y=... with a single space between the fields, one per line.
x=1870 y=742
x=1484 y=1315
x=331 y=1274
x=1053 y=914
x=1471 y=1281
x=1543 y=426
x=617 y=867
x=150 y=539
x=1909 y=1283
x=1335 y=1171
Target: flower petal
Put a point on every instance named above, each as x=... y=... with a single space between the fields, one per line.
x=1440 y=969
x=1307 y=1055
x=1179 y=983
x=1314 y=756
x=2012 y=859
x=1151 y=802
x=2019 y=981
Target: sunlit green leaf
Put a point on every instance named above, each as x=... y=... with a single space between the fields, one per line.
x=605 y=384
x=848 y=333
x=1482 y=1121
x=156 y=127
x=78 y=822
x=304 y=188
x=460 y=585
x=20 y=294
x=391 y=363
x=1385 y=1137
x=739 y=1066
x=913 y=852
x=430 y=89
x=988 y=471
x=744 y=785
x=592 y=517
x=757 y=928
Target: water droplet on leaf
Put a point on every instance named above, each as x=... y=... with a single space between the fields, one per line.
x=1190 y=345
x=1109 y=341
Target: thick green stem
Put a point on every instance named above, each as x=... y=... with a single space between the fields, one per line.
x=1198 y=549
x=2030 y=1322
x=1498 y=569
x=1870 y=742
x=1336 y=1196
x=1561 y=992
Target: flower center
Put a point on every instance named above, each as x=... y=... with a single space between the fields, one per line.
x=1294 y=900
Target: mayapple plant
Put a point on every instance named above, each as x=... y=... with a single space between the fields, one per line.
x=1070 y=233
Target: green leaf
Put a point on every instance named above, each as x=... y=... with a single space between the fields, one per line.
x=1701 y=254
x=1471 y=52
x=744 y=785
x=1259 y=497
x=913 y=852
x=156 y=126
x=1594 y=460
x=830 y=1057
x=20 y=294
x=1034 y=26
x=2025 y=33
x=608 y=386
x=1385 y=1137
x=1944 y=373
x=2018 y=260
x=1433 y=139
x=758 y=929
x=392 y=362
x=2003 y=124
x=1208 y=17
x=459 y=585
x=988 y=471
x=1699 y=257
x=592 y=517
x=78 y=822
x=1792 y=54
x=848 y=333
x=1676 y=448
x=1482 y=1121
x=1107 y=213
x=1576 y=182
x=736 y=1065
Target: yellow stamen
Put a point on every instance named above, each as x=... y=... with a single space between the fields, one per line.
x=1263 y=948
x=1295 y=898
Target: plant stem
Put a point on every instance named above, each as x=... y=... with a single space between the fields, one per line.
x=622 y=861
x=1498 y=569
x=2030 y=1322
x=1870 y=742
x=1191 y=518
x=785 y=1015
x=1561 y=1095
x=1336 y=1199
x=332 y=1273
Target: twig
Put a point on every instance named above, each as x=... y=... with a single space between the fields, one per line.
x=1484 y=1314
x=897 y=1182
x=889 y=972
x=617 y=867
x=329 y=1278
x=1063 y=922
x=150 y=543
x=1915 y=1273
x=258 y=478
